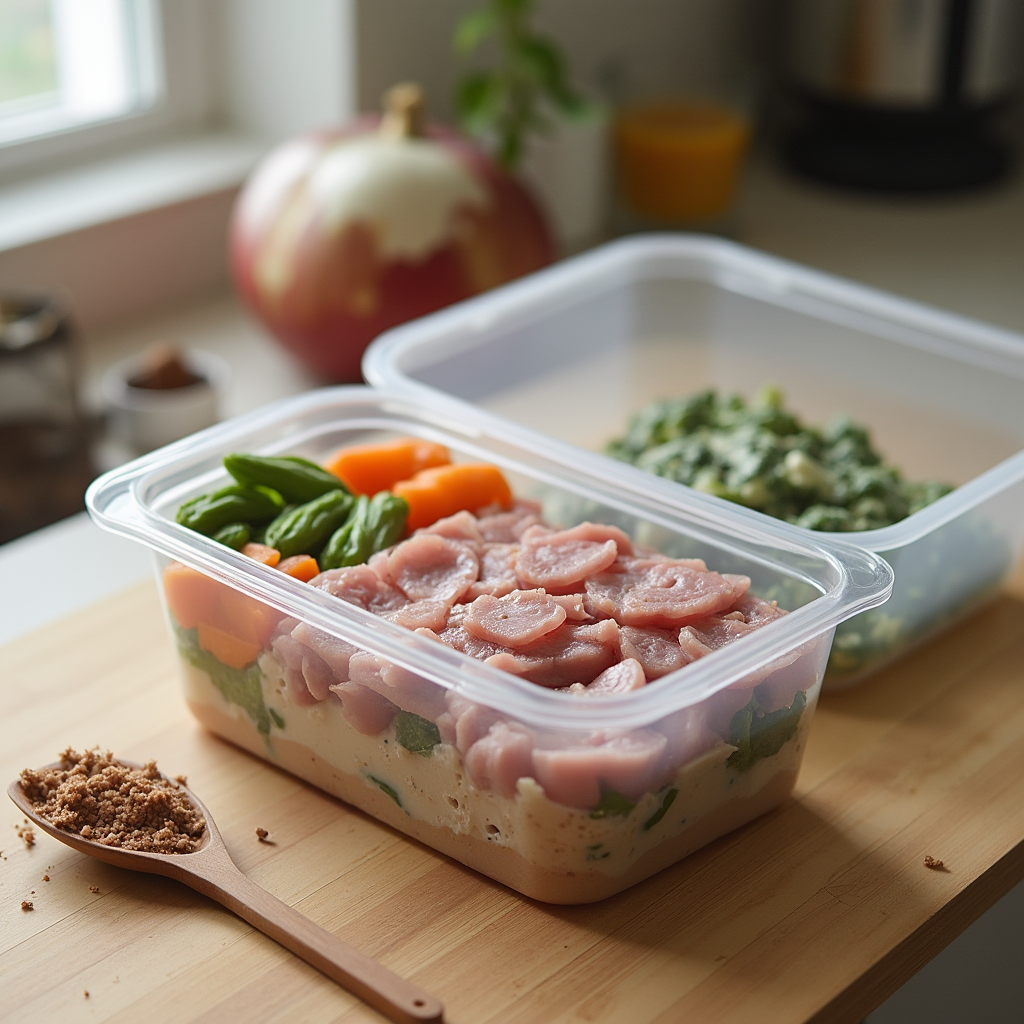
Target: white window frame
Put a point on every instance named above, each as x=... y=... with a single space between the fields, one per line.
x=186 y=99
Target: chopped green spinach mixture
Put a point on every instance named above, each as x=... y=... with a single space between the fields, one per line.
x=761 y=456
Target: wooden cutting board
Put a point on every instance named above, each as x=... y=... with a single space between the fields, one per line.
x=817 y=911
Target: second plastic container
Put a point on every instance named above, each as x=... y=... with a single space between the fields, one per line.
x=572 y=352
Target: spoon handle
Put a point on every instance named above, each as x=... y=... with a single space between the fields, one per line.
x=371 y=981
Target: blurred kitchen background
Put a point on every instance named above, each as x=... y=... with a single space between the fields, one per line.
x=876 y=139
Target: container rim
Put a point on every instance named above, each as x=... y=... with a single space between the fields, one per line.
x=852 y=579
x=738 y=268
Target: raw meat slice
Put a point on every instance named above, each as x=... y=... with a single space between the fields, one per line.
x=575 y=609
x=514 y=620
x=318 y=676
x=501 y=758
x=429 y=566
x=497 y=572
x=629 y=763
x=463 y=526
x=569 y=654
x=627 y=675
x=657 y=650
x=692 y=645
x=688 y=732
x=361 y=586
x=559 y=560
x=464 y=721
x=367 y=710
x=757 y=612
x=336 y=653
x=426 y=614
x=508 y=527
x=406 y=690
x=646 y=592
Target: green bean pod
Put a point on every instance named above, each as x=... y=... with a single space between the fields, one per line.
x=234 y=535
x=347 y=543
x=298 y=480
x=306 y=528
x=385 y=520
x=235 y=504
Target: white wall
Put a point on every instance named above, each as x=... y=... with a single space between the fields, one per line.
x=629 y=48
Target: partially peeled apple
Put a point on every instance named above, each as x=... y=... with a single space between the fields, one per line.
x=341 y=234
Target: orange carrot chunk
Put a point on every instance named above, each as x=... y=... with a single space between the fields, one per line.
x=262 y=553
x=369 y=468
x=227 y=649
x=301 y=567
x=444 y=490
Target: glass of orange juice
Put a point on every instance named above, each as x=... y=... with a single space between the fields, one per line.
x=679 y=160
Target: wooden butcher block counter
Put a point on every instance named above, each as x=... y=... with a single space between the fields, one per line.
x=817 y=911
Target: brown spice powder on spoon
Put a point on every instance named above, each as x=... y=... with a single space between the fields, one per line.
x=98 y=798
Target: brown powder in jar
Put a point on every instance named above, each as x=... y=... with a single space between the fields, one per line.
x=98 y=798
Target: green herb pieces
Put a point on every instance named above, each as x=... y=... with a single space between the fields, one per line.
x=419 y=735
x=241 y=686
x=385 y=788
x=660 y=813
x=613 y=805
x=298 y=480
x=762 y=456
x=757 y=733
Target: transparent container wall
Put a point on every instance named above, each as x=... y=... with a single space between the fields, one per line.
x=579 y=369
x=942 y=401
x=564 y=811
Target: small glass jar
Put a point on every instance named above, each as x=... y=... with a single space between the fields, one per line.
x=45 y=465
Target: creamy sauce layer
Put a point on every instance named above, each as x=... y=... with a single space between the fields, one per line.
x=435 y=789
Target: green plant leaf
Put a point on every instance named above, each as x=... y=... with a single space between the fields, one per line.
x=418 y=735
x=474 y=28
x=758 y=734
x=613 y=805
x=660 y=813
x=478 y=102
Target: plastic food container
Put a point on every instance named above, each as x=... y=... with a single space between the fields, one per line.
x=573 y=351
x=570 y=798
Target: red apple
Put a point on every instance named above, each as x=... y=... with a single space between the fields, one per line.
x=340 y=234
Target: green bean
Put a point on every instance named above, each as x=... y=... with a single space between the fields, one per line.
x=347 y=544
x=234 y=535
x=306 y=528
x=298 y=480
x=385 y=520
x=235 y=504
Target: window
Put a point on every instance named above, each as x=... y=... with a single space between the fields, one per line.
x=67 y=64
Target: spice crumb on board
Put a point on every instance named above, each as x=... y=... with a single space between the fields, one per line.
x=25 y=833
x=94 y=888
x=85 y=994
x=934 y=864
x=264 y=836
x=46 y=878
x=27 y=905
x=102 y=800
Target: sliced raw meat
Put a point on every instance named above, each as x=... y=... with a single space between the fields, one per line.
x=501 y=758
x=429 y=566
x=404 y=689
x=716 y=632
x=600 y=532
x=361 y=586
x=627 y=675
x=688 y=732
x=629 y=764
x=426 y=614
x=575 y=610
x=464 y=721
x=336 y=653
x=569 y=654
x=508 y=527
x=497 y=572
x=692 y=645
x=289 y=654
x=757 y=612
x=514 y=620
x=657 y=650
x=319 y=678
x=367 y=710
x=378 y=562
x=463 y=526
x=559 y=560
x=646 y=592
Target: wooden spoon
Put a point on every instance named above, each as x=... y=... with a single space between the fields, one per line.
x=210 y=870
